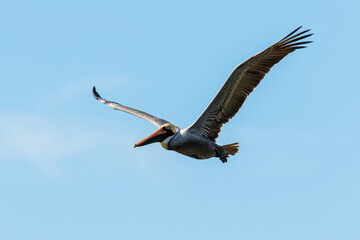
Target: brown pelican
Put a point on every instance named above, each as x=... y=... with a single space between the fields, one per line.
x=199 y=140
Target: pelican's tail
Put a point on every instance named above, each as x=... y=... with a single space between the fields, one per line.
x=229 y=149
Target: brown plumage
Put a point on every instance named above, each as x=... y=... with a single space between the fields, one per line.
x=242 y=82
x=199 y=140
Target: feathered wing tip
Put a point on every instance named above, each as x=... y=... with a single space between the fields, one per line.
x=95 y=93
x=293 y=40
x=230 y=149
x=97 y=96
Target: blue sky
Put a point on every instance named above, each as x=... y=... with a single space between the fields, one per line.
x=67 y=166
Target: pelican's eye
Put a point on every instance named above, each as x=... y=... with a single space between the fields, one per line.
x=165 y=128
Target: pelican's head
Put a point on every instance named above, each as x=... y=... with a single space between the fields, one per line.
x=163 y=135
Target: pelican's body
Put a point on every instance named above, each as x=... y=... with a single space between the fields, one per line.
x=192 y=145
x=199 y=140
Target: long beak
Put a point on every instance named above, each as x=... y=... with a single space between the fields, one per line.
x=158 y=136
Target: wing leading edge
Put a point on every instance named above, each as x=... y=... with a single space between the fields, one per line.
x=154 y=120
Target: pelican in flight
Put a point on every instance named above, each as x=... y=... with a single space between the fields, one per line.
x=199 y=140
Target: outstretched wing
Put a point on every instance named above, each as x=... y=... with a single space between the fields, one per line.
x=154 y=120
x=242 y=82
